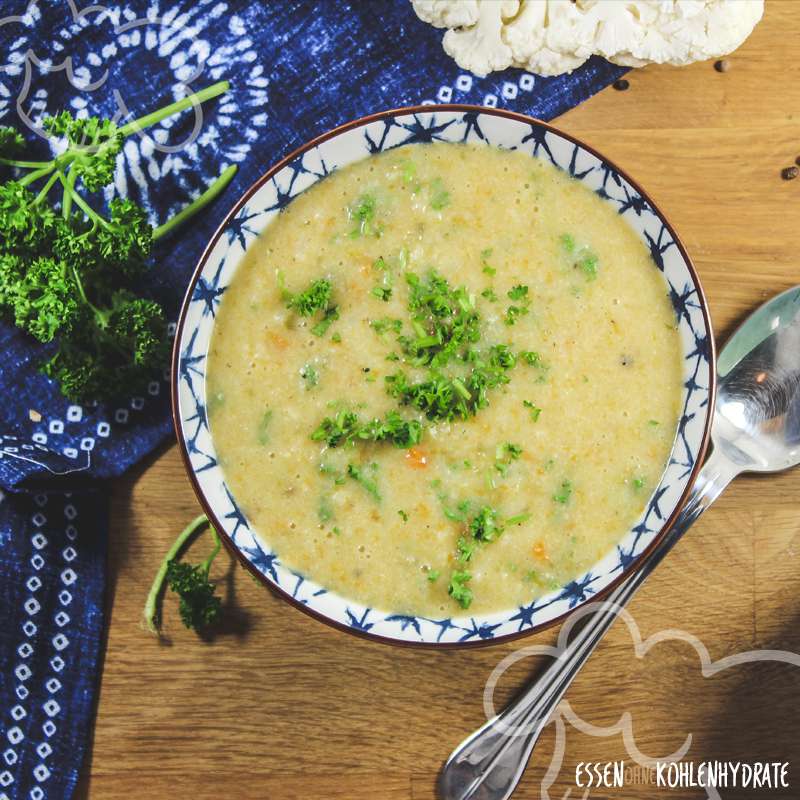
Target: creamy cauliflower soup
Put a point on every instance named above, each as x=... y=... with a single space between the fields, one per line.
x=446 y=377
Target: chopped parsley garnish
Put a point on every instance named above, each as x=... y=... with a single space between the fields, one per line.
x=336 y=337
x=584 y=258
x=337 y=475
x=403 y=515
x=489 y=294
x=310 y=376
x=518 y=519
x=315 y=298
x=564 y=492
x=382 y=293
x=485 y=265
x=638 y=483
x=458 y=589
x=484 y=526
x=465 y=549
x=359 y=474
x=380 y=326
x=588 y=263
x=504 y=455
x=433 y=575
x=535 y=410
x=513 y=313
x=384 y=290
x=331 y=315
x=410 y=174
x=347 y=427
x=653 y=423
x=514 y=450
x=262 y=433
x=440 y=197
x=324 y=510
x=533 y=359
x=362 y=212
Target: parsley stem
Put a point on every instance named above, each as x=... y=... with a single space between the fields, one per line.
x=194 y=99
x=203 y=200
x=151 y=604
x=214 y=552
x=37 y=173
x=81 y=203
x=11 y=162
x=46 y=188
x=66 y=200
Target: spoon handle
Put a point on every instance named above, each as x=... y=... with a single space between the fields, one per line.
x=489 y=763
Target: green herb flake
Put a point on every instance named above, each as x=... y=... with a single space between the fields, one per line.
x=440 y=197
x=433 y=575
x=403 y=515
x=489 y=294
x=465 y=549
x=485 y=265
x=564 y=493
x=484 y=526
x=458 y=589
x=535 y=410
x=567 y=242
x=381 y=326
x=359 y=474
x=362 y=212
x=653 y=423
x=517 y=519
x=313 y=299
x=518 y=292
x=336 y=337
x=382 y=293
x=262 y=432
x=324 y=510
x=310 y=376
x=638 y=483
x=331 y=315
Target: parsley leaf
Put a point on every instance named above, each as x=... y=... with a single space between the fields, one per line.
x=458 y=589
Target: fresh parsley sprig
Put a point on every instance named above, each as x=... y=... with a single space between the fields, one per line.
x=72 y=275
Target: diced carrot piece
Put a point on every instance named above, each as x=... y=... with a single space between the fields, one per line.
x=416 y=458
x=281 y=342
x=539 y=550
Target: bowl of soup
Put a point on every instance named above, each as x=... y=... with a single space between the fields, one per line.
x=443 y=374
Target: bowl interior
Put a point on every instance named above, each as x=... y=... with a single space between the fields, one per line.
x=359 y=140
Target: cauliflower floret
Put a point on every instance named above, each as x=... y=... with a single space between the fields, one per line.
x=550 y=37
x=480 y=48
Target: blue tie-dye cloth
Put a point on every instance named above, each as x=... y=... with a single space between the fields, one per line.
x=296 y=69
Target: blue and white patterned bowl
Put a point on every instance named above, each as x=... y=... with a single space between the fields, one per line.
x=358 y=140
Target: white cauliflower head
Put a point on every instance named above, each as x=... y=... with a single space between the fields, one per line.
x=550 y=37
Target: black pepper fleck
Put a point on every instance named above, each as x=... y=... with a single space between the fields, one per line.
x=723 y=65
x=790 y=173
x=622 y=84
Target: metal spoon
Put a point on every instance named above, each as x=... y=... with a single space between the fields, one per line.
x=756 y=428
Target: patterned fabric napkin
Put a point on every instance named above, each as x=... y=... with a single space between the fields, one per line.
x=296 y=69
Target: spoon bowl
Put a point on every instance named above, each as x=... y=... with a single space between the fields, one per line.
x=757 y=422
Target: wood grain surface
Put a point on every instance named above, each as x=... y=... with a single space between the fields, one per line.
x=281 y=706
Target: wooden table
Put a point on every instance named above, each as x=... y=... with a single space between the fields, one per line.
x=281 y=706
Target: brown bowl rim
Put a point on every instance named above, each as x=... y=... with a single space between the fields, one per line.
x=252 y=189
